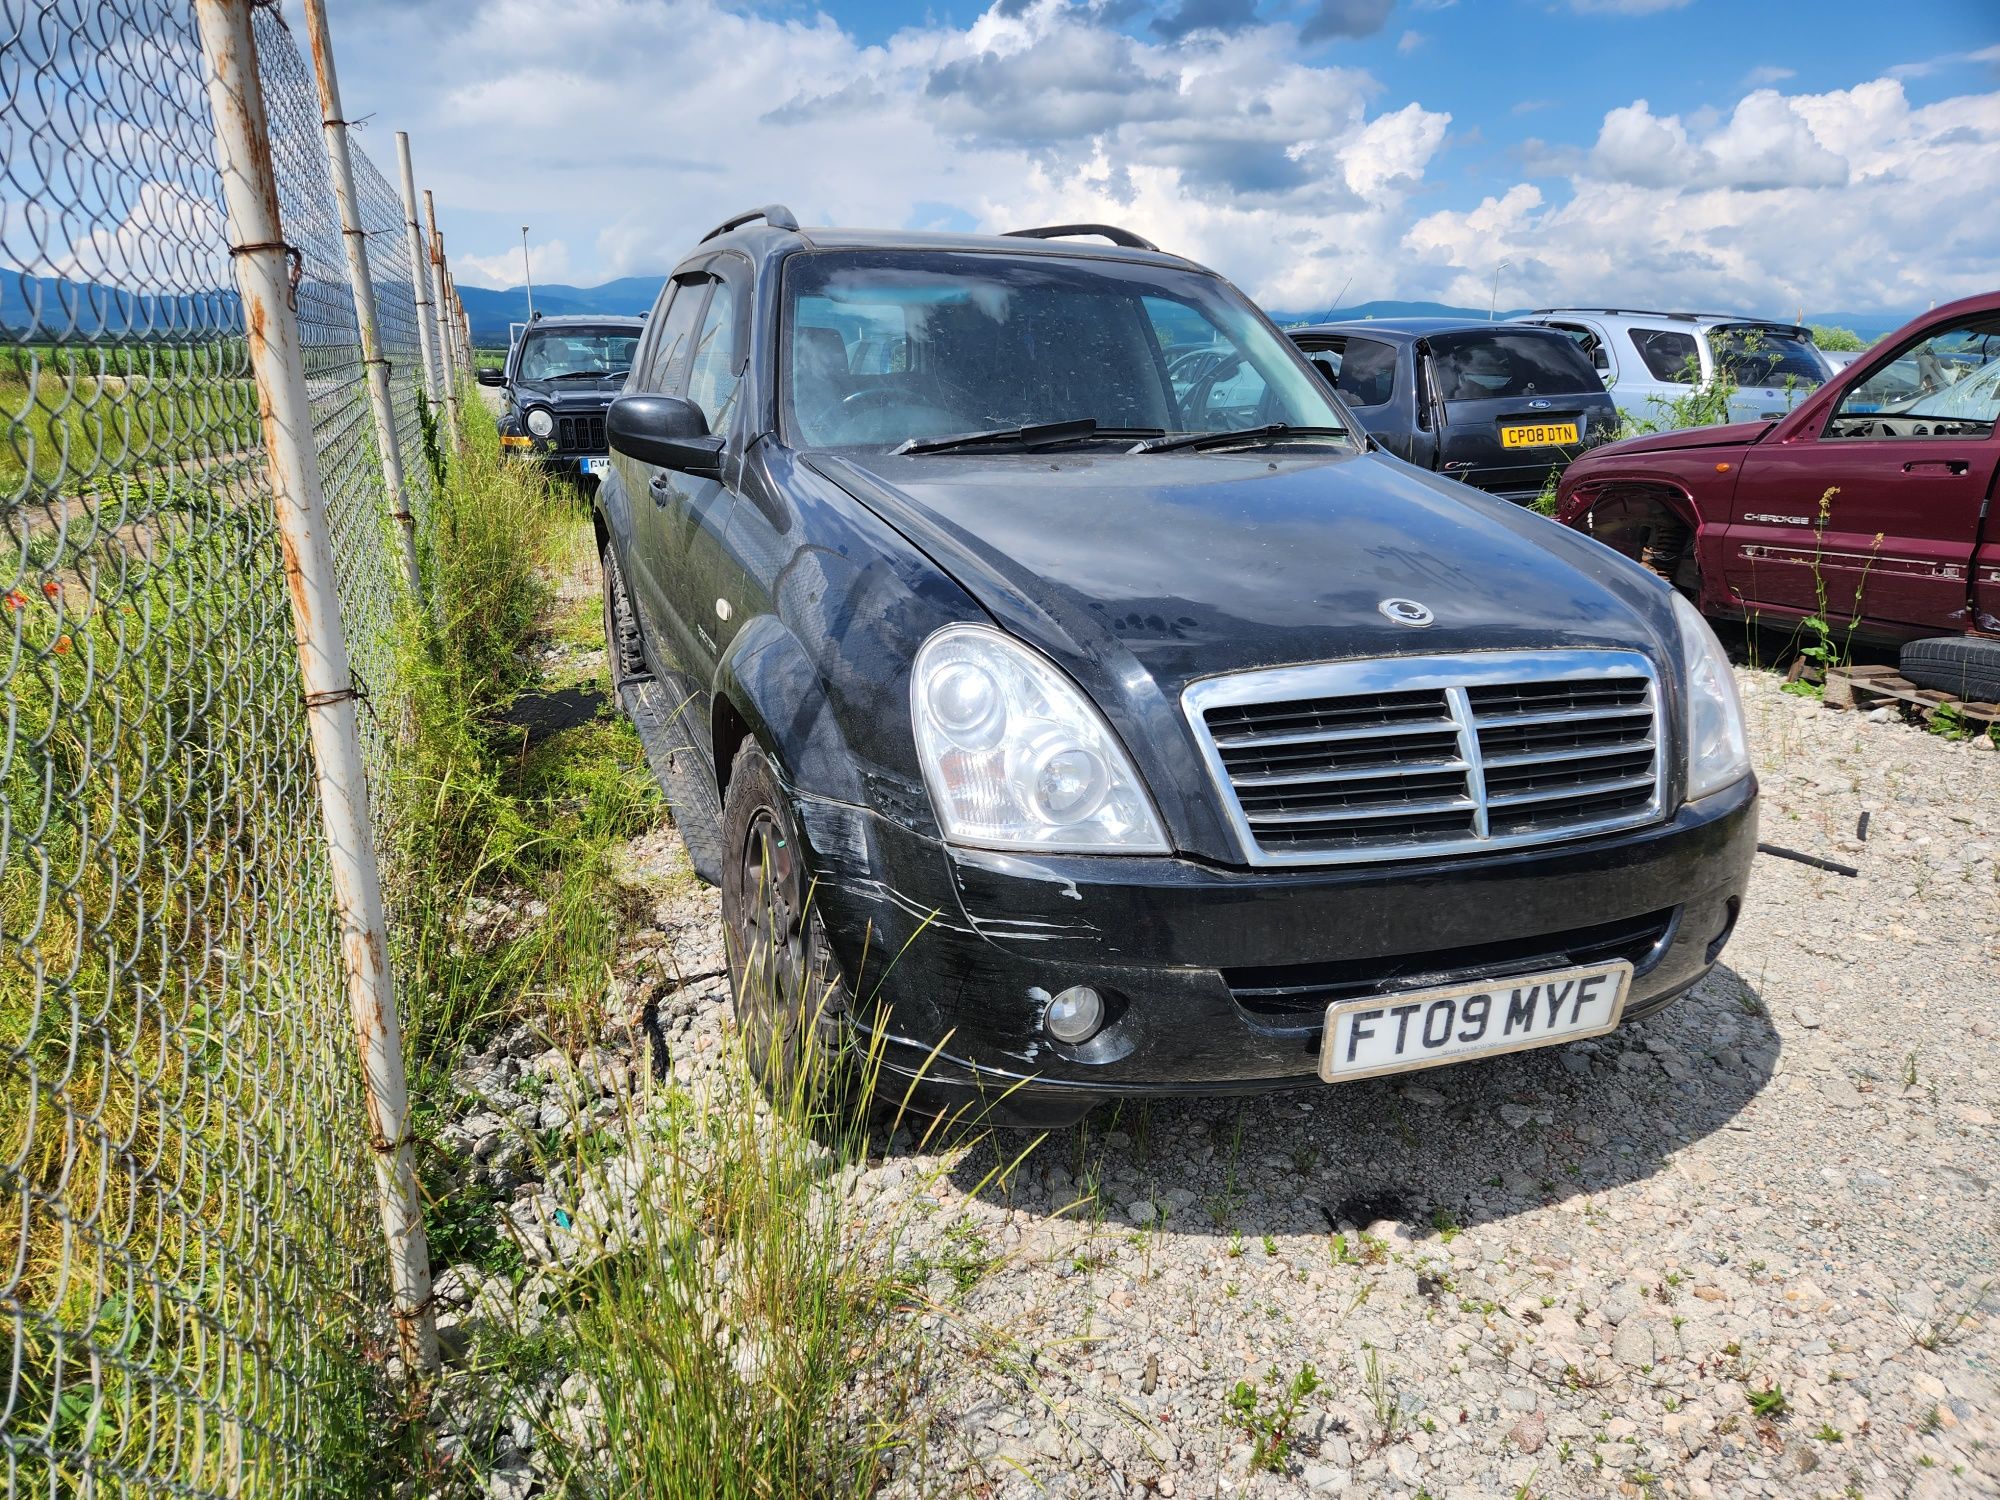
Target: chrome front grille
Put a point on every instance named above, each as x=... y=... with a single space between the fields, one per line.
x=1404 y=757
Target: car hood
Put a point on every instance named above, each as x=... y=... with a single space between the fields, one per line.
x=1160 y=569
x=1728 y=435
x=569 y=395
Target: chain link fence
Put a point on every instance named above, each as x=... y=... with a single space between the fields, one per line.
x=191 y=1269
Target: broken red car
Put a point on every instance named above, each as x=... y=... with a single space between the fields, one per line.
x=1871 y=506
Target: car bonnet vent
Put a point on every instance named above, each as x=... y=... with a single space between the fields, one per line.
x=1410 y=757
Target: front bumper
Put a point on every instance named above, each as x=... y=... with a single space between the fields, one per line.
x=1216 y=978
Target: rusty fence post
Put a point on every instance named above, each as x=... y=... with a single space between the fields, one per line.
x=420 y=276
x=263 y=261
x=355 y=239
x=441 y=291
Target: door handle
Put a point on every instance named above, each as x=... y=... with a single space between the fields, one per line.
x=661 y=489
x=1934 y=465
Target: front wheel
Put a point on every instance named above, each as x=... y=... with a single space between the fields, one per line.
x=791 y=999
x=621 y=625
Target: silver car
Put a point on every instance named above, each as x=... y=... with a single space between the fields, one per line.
x=1648 y=360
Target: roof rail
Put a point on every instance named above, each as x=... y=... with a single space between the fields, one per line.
x=775 y=214
x=1110 y=232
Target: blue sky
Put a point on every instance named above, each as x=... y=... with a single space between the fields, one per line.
x=1830 y=155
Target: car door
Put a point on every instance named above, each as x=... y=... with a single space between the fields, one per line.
x=696 y=512
x=1773 y=368
x=1873 y=512
x=663 y=371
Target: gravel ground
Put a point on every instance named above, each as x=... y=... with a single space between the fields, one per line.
x=1564 y=1272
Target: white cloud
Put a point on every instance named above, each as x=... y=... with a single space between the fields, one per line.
x=1229 y=143
x=550 y=260
x=1758 y=78
x=1843 y=199
x=1409 y=41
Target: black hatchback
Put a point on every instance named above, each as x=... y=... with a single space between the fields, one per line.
x=1499 y=406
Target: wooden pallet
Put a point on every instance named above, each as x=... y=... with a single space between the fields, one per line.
x=1871 y=687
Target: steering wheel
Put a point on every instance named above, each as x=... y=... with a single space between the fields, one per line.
x=842 y=415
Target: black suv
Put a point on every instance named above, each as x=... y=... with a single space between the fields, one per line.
x=1082 y=721
x=559 y=377
x=1492 y=404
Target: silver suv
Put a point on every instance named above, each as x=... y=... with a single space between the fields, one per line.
x=1648 y=360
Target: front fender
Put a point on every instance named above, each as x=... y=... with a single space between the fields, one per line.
x=766 y=686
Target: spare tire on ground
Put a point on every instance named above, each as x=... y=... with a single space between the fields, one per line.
x=1965 y=665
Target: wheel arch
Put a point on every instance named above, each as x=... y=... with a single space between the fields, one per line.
x=767 y=688
x=1654 y=522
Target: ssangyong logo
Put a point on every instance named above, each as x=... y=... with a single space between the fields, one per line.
x=1406 y=612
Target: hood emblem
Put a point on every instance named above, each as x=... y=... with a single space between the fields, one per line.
x=1406 y=612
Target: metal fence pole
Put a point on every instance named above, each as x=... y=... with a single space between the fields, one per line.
x=448 y=364
x=263 y=263
x=355 y=239
x=420 y=279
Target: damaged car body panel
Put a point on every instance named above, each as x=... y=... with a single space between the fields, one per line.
x=939 y=602
x=1873 y=501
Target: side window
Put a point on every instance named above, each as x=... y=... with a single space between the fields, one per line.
x=1942 y=384
x=667 y=368
x=713 y=382
x=1367 y=372
x=1670 y=355
x=1587 y=340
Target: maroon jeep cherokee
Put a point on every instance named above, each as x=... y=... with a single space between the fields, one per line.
x=1873 y=501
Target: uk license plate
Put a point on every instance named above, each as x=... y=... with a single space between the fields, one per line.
x=595 y=466
x=1538 y=435
x=1424 y=1028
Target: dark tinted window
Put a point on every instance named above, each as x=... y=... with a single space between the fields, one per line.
x=1766 y=356
x=1669 y=355
x=1488 y=366
x=991 y=341
x=1367 y=372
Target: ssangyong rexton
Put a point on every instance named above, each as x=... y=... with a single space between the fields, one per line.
x=1064 y=691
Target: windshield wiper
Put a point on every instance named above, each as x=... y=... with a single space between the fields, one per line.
x=1233 y=437
x=1031 y=435
x=588 y=375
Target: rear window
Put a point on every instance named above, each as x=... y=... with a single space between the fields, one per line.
x=1490 y=366
x=1669 y=355
x=1766 y=356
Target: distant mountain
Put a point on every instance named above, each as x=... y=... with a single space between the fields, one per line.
x=1868 y=325
x=491 y=312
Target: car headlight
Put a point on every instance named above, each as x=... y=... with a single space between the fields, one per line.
x=540 y=422
x=1718 y=748
x=1014 y=755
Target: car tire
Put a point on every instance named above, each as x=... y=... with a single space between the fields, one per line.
x=790 y=997
x=621 y=626
x=1964 y=665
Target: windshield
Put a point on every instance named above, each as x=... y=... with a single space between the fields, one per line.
x=549 y=353
x=1488 y=366
x=1767 y=356
x=885 y=346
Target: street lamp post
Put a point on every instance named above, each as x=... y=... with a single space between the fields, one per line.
x=528 y=273
x=1494 y=300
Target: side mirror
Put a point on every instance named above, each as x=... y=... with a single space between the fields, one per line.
x=1599 y=358
x=492 y=375
x=666 y=430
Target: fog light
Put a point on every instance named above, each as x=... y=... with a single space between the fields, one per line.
x=1075 y=1014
